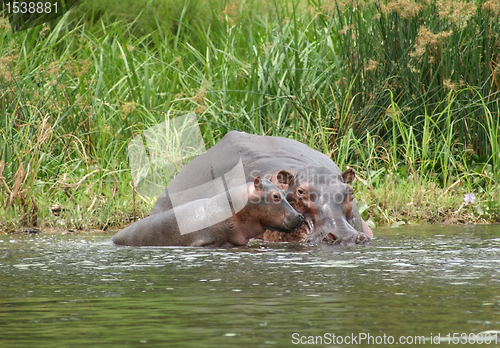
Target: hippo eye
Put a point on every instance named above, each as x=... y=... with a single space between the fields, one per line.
x=339 y=198
x=276 y=196
x=300 y=191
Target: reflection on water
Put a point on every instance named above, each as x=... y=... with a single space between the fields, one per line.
x=80 y=290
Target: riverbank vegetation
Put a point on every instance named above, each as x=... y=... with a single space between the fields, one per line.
x=406 y=92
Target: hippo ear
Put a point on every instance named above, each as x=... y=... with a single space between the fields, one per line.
x=257 y=182
x=349 y=175
x=350 y=192
x=285 y=177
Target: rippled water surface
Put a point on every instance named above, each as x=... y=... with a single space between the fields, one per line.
x=79 y=290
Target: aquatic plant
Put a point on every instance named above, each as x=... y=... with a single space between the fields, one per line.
x=469 y=198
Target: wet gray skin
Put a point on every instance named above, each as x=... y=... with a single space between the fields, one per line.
x=327 y=205
x=331 y=226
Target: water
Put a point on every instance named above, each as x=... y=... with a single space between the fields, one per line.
x=78 y=290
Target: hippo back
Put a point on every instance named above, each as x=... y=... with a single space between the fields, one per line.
x=260 y=155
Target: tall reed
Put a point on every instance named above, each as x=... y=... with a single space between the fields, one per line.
x=410 y=89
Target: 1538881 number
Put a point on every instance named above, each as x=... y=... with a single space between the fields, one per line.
x=31 y=7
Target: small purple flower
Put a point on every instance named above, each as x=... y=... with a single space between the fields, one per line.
x=469 y=198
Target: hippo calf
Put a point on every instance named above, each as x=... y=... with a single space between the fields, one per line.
x=266 y=209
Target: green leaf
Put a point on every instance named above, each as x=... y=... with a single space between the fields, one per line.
x=480 y=209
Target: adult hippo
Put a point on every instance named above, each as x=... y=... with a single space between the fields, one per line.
x=313 y=183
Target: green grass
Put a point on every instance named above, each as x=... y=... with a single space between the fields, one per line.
x=409 y=97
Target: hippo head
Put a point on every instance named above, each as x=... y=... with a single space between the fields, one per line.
x=271 y=206
x=326 y=201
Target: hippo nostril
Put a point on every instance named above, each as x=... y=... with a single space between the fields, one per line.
x=362 y=238
x=332 y=236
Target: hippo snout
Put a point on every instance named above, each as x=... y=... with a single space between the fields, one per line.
x=335 y=238
x=300 y=219
x=296 y=220
x=358 y=238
